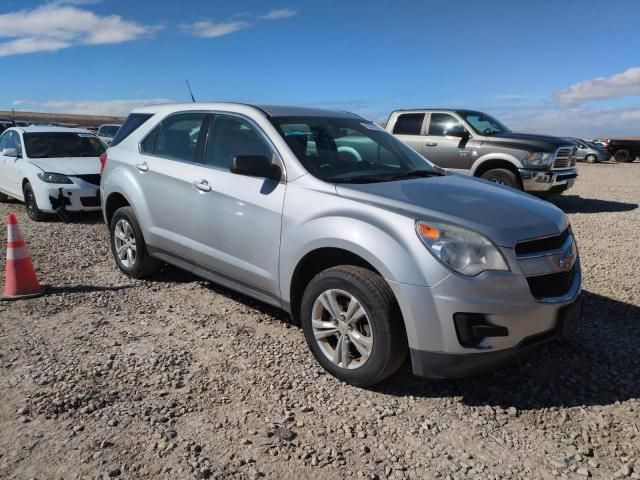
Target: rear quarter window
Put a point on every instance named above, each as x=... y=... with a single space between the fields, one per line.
x=130 y=125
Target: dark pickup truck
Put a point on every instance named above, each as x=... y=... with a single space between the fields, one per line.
x=623 y=150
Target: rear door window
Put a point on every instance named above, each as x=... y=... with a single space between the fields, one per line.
x=178 y=136
x=409 y=124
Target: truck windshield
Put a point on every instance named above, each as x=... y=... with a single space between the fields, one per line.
x=484 y=124
x=347 y=150
x=62 y=144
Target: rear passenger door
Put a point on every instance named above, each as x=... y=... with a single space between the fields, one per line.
x=444 y=150
x=165 y=171
x=236 y=218
x=409 y=128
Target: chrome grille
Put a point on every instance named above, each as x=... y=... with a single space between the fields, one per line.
x=565 y=157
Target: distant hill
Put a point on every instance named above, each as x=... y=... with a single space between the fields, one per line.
x=84 y=120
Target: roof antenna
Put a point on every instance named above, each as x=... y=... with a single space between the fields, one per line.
x=190 y=92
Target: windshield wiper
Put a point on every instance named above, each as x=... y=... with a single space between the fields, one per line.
x=415 y=174
x=386 y=177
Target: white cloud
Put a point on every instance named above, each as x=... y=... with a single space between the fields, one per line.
x=209 y=29
x=278 y=14
x=618 y=85
x=116 y=108
x=576 y=121
x=56 y=26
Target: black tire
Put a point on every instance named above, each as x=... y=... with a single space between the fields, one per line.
x=389 y=349
x=143 y=264
x=30 y=202
x=590 y=159
x=623 y=156
x=502 y=176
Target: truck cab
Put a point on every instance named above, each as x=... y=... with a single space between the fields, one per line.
x=474 y=143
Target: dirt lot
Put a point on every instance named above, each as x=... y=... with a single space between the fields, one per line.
x=174 y=377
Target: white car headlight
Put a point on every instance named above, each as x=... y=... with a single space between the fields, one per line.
x=537 y=159
x=462 y=250
x=54 y=177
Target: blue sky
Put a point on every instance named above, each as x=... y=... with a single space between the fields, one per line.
x=548 y=66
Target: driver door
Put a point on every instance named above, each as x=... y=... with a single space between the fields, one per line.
x=446 y=151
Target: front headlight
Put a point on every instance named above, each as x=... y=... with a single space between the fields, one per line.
x=537 y=159
x=462 y=250
x=53 y=178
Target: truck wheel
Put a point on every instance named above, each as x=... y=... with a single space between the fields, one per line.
x=128 y=247
x=591 y=159
x=622 y=156
x=353 y=326
x=33 y=211
x=502 y=176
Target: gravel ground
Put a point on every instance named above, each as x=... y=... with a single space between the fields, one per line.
x=174 y=377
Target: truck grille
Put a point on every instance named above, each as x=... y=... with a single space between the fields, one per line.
x=565 y=157
x=542 y=244
x=93 y=179
x=552 y=285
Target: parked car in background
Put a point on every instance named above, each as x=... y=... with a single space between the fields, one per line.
x=375 y=250
x=474 y=143
x=51 y=169
x=597 y=141
x=106 y=132
x=21 y=123
x=5 y=123
x=623 y=150
x=590 y=152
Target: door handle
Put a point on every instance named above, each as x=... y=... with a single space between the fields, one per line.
x=143 y=167
x=202 y=185
x=431 y=144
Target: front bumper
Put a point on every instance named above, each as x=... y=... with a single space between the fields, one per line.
x=76 y=197
x=448 y=365
x=504 y=299
x=547 y=181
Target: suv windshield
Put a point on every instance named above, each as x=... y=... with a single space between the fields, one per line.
x=345 y=150
x=62 y=144
x=484 y=124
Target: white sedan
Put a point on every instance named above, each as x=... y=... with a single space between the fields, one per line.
x=51 y=169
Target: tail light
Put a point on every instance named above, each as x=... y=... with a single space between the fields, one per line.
x=103 y=162
x=607 y=142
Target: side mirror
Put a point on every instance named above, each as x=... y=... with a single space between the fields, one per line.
x=10 y=152
x=457 y=131
x=256 y=166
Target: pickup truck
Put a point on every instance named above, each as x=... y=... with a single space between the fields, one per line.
x=477 y=144
x=623 y=150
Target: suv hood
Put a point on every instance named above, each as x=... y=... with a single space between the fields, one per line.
x=504 y=215
x=527 y=141
x=69 y=165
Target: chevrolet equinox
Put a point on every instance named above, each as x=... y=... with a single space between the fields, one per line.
x=373 y=249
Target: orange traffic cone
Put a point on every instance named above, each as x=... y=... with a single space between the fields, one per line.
x=20 y=280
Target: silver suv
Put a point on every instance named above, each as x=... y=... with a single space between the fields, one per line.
x=374 y=250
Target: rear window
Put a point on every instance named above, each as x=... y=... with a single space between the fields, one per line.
x=130 y=125
x=409 y=124
x=62 y=144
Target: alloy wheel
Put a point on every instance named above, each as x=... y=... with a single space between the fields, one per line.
x=125 y=243
x=342 y=329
